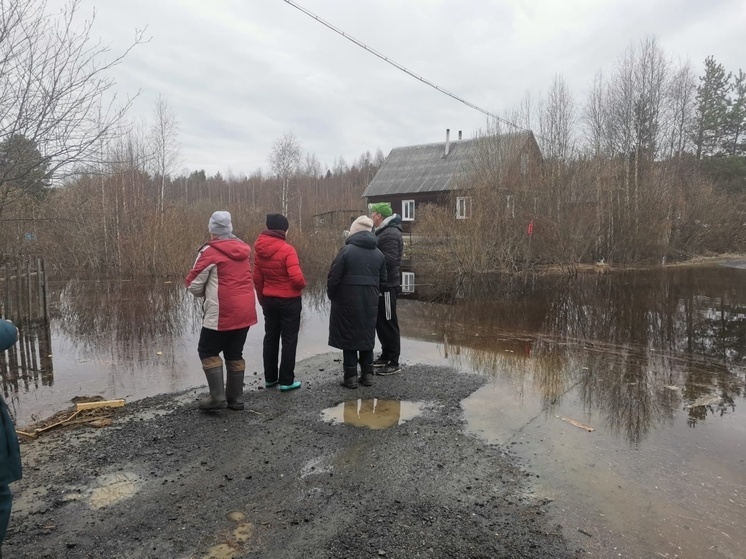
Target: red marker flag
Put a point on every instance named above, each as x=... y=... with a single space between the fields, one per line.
x=531 y=227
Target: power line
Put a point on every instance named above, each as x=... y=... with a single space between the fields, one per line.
x=402 y=68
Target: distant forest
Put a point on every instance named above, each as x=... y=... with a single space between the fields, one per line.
x=650 y=165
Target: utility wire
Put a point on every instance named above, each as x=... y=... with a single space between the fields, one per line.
x=402 y=68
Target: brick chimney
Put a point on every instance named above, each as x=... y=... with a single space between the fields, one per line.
x=448 y=141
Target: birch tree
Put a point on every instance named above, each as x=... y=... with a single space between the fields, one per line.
x=284 y=160
x=164 y=142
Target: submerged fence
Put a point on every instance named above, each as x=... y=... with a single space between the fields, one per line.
x=23 y=300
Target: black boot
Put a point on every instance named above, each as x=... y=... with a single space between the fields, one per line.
x=214 y=373
x=350 y=380
x=234 y=384
x=366 y=374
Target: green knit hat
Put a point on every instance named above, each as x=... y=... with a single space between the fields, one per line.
x=383 y=208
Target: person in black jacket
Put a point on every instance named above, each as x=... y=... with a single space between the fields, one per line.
x=352 y=286
x=389 y=236
x=10 y=452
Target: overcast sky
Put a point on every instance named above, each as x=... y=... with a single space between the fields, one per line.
x=238 y=74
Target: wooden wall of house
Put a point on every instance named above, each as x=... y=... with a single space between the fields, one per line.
x=396 y=201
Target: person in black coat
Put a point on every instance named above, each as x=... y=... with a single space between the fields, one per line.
x=10 y=452
x=388 y=230
x=353 y=284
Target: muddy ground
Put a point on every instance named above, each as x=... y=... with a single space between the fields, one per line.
x=166 y=481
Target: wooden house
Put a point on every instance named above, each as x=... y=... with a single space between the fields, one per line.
x=437 y=173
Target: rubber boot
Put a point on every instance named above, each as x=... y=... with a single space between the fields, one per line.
x=350 y=380
x=213 y=367
x=366 y=374
x=234 y=384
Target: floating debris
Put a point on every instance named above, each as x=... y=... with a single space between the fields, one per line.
x=578 y=424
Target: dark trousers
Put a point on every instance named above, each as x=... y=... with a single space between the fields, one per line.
x=6 y=500
x=387 y=327
x=229 y=342
x=281 y=321
x=350 y=357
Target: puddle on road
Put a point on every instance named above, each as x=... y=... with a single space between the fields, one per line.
x=233 y=542
x=372 y=413
x=109 y=489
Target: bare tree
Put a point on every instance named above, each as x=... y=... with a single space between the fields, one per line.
x=557 y=118
x=53 y=79
x=312 y=170
x=681 y=97
x=165 y=147
x=285 y=159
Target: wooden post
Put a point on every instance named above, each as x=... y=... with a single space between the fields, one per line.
x=33 y=341
x=19 y=287
x=45 y=353
x=28 y=348
x=28 y=288
x=44 y=288
x=6 y=310
x=42 y=313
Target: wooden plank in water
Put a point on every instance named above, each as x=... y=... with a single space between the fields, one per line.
x=578 y=424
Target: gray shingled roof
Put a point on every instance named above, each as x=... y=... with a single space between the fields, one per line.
x=425 y=168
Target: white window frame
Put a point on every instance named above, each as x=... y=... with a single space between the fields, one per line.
x=463 y=202
x=406 y=215
x=524 y=163
x=407 y=282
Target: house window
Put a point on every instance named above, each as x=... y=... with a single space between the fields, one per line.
x=463 y=207
x=407 y=210
x=407 y=282
x=524 y=163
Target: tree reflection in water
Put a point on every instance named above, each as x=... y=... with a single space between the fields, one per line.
x=637 y=345
x=129 y=320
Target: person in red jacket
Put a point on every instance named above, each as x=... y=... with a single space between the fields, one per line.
x=222 y=276
x=279 y=282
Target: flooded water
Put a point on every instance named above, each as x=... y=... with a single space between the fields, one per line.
x=654 y=362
